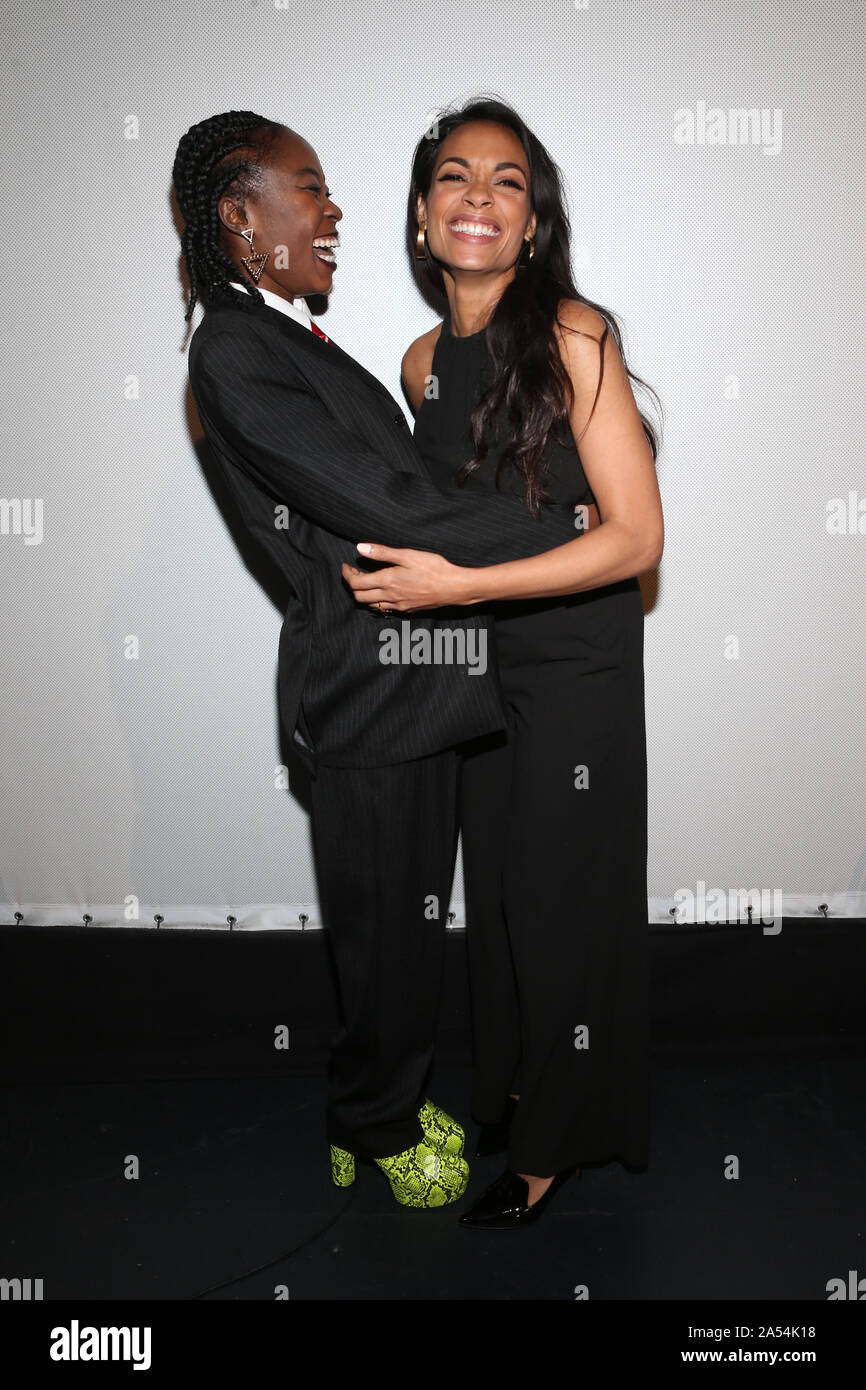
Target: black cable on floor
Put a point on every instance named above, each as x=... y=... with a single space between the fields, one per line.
x=238 y=1278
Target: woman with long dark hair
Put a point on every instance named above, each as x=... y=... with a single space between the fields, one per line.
x=524 y=388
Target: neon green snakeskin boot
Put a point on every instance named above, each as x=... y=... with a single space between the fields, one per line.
x=342 y=1167
x=425 y=1176
x=440 y=1130
x=422 y=1176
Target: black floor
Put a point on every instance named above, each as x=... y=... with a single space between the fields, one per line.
x=234 y=1191
x=159 y=1047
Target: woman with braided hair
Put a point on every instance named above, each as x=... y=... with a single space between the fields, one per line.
x=298 y=427
x=229 y=156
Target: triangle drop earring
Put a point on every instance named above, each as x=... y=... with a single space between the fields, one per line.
x=256 y=261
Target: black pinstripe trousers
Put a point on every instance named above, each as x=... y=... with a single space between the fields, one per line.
x=384 y=841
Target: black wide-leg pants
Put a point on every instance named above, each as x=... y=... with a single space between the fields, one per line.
x=554 y=832
x=384 y=840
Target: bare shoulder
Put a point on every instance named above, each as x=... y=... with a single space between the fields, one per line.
x=587 y=346
x=417 y=365
x=592 y=358
x=574 y=319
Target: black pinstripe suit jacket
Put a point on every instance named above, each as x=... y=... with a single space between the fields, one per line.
x=302 y=431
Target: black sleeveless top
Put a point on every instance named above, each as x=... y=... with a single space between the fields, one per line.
x=462 y=370
x=580 y=624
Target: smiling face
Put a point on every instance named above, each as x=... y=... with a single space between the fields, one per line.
x=293 y=218
x=478 y=208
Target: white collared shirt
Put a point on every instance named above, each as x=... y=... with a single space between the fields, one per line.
x=297 y=310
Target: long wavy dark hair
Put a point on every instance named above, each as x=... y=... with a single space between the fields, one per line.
x=529 y=376
x=224 y=153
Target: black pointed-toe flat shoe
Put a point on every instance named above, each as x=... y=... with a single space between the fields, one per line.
x=493 y=1139
x=505 y=1204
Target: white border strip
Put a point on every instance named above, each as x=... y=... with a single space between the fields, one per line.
x=307 y=917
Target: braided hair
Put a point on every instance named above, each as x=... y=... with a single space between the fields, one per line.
x=223 y=154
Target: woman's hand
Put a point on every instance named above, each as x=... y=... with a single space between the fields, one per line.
x=415 y=580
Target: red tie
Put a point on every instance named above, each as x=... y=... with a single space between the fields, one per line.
x=318 y=332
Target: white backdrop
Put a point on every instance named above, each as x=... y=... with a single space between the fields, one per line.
x=735 y=265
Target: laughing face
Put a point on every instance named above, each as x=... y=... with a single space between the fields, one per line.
x=478 y=208
x=293 y=218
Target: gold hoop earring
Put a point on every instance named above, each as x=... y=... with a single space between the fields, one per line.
x=256 y=261
x=521 y=263
x=421 y=242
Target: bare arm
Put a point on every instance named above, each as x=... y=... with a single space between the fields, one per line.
x=619 y=467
